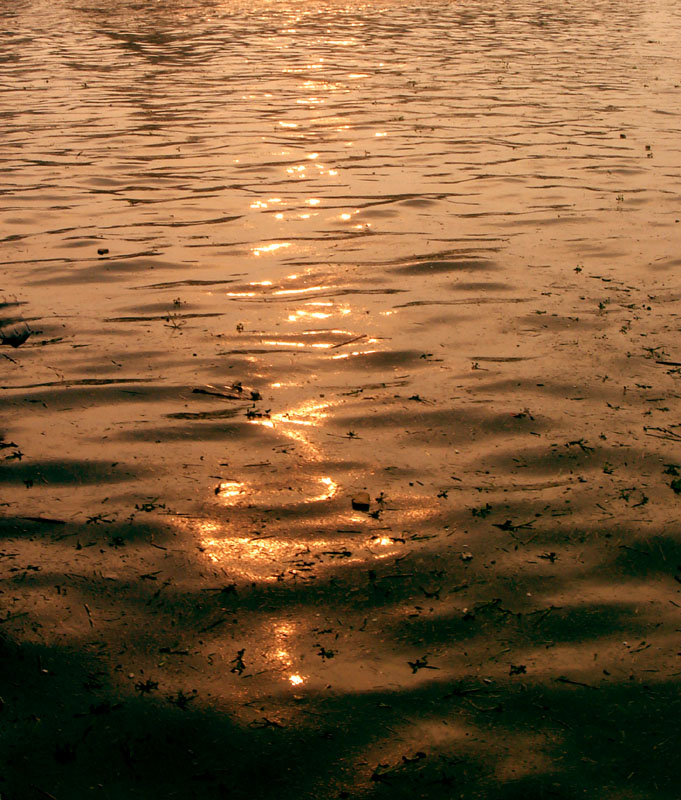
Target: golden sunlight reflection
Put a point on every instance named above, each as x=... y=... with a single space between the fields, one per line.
x=300 y=291
x=315 y=344
x=270 y=248
x=264 y=204
x=290 y=423
x=320 y=84
x=277 y=343
x=275 y=554
x=300 y=315
x=230 y=489
x=318 y=310
x=310 y=413
x=354 y=354
x=249 y=555
x=298 y=70
x=383 y=546
x=269 y=558
x=331 y=489
x=281 y=652
x=329 y=310
x=281 y=632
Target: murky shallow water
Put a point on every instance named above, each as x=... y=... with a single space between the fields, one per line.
x=428 y=252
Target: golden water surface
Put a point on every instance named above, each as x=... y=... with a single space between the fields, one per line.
x=339 y=380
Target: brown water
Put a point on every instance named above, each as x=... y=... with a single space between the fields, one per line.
x=427 y=252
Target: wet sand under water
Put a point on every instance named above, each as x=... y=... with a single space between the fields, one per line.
x=424 y=252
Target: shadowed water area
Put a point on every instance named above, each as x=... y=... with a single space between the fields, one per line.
x=340 y=444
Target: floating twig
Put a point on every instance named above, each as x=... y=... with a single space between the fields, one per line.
x=563 y=679
x=348 y=341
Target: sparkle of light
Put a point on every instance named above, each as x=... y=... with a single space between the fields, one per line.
x=270 y=248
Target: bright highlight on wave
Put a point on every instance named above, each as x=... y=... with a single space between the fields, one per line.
x=331 y=488
x=300 y=291
x=229 y=489
x=329 y=310
x=270 y=248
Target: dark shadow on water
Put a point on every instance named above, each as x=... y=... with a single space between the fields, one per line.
x=67 y=472
x=437 y=267
x=189 y=725
x=74 y=728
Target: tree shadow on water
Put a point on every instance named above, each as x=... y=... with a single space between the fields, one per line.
x=69 y=733
x=476 y=692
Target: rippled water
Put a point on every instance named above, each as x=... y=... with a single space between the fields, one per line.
x=274 y=255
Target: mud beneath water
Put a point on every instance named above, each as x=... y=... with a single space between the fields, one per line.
x=274 y=257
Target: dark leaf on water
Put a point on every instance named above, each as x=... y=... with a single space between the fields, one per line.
x=15 y=338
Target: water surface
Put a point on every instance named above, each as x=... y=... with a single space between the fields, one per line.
x=273 y=256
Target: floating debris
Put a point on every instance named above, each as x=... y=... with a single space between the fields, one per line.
x=361 y=501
